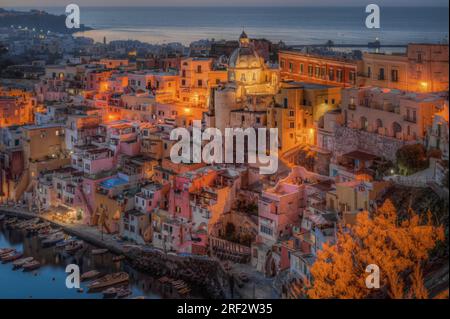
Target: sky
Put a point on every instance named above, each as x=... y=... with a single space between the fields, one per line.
x=333 y=3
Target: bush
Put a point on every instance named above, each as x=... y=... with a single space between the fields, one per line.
x=411 y=159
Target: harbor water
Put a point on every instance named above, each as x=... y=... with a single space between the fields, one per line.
x=49 y=281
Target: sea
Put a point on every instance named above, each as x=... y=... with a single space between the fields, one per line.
x=292 y=25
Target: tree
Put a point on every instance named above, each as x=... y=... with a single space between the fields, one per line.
x=398 y=247
x=411 y=158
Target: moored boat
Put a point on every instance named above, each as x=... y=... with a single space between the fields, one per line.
x=11 y=257
x=65 y=242
x=110 y=292
x=2 y=217
x=5 y=251
x=49 y=232
x=11 y=221
x=74 y=246
x=109 y=280
x=124 y=292
x=53 y=239
x=32 y=265
x=22 y=261
x=91 y=274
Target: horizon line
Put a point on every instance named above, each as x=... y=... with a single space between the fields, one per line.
x=233 y=5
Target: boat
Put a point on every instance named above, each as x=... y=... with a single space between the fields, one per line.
x=32 y=265
x=11 y=257
x=2 y=217
x=124 y=292
x=91 y=274
x=65 y=242
x=53 y=239
x=36 y=227
x=26 y=223
x=118 y=258
x=99 y=251
x=49 y=232
x=11 y=221
x=110 y=292
x=22 y=261
x=74 y=246
x=5 y=251
x=109 y=280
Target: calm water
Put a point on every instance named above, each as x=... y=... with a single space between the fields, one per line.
x=298 y=25
x=49 y=280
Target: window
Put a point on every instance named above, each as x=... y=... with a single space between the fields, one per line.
x=285 y=102
x=199 y=69
x=291 y=125
x=369 y=72
x=331 y=75
x=381 y=74
x=339 y=75
x=266 y=230
x=301 y=68
x=394 y=75
x=291 y=67
x=200 y=83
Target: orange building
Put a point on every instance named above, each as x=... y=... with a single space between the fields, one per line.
x=301 y=67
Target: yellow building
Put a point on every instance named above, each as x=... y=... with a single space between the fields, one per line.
x=423 y=68
x=298 y=108
x=350 y=198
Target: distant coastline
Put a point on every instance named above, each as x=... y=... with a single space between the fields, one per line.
x=38 y=20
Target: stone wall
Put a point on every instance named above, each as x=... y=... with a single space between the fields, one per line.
x=348 y=140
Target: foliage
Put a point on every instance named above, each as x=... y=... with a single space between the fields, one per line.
x=411 y=159
x=399 y=248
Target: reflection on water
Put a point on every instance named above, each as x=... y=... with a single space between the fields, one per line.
x=49 y=280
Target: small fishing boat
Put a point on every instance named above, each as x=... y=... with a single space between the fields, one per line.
x=53 y=239
x=11 y=222
x=65 y=242
x=91 y=274
x=49 y=232
x=74 y=246
x=109 y=280
x=33 y=229
x=11 y=257
x=124 y=292
x=32 y=265
x=118 y=258
x=6 y=251
x=22 y=261
x=110 y=292
x=99 y=251
x=2 y=217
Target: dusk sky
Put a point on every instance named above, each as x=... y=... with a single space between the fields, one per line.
x=42 y=3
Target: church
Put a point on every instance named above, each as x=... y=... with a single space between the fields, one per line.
x=244 y=99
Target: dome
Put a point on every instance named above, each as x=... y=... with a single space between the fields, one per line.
x=245 y=57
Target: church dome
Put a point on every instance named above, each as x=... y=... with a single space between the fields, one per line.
x=245 y=57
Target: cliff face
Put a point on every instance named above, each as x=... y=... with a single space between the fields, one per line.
x=40 y=20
